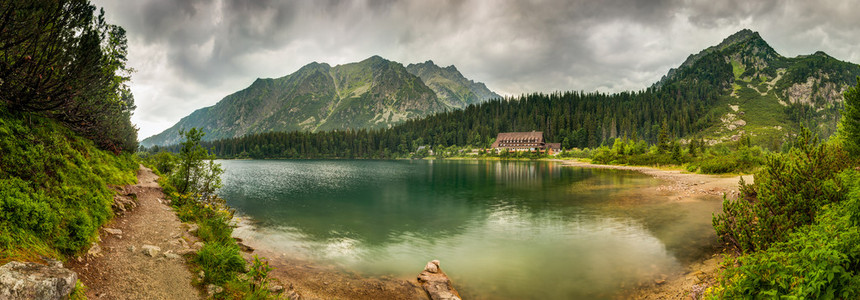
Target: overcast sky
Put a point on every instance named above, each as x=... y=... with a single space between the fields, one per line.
x=190 y=54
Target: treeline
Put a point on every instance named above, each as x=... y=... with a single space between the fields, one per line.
x=60 y=60
x=574 y=119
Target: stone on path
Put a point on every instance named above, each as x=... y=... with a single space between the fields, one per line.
x=34 y=281
x=112 y=231
x=95 y=249
x=150 y=250
x=171 y=255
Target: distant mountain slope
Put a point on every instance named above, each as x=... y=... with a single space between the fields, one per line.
x=373 y=93
x=450 y=85
x=768 y=96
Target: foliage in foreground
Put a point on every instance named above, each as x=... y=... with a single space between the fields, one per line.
x=817 y=261
x=54 y=187
x=191 y=183
x=788 y=192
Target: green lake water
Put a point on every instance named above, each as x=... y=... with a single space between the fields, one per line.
x=502 y=230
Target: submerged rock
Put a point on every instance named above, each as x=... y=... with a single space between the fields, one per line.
x=34 y=281
x=436 y=283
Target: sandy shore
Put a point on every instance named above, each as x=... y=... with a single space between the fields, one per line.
x=681 y=184
x=691 y=282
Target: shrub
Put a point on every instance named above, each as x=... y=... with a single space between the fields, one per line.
x=787 y=193
x=818 y=261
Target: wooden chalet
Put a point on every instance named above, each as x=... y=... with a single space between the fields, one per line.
x=520 y=141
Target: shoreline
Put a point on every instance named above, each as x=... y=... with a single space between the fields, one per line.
x=679 y=182
x=309 y=279
x=697 y=276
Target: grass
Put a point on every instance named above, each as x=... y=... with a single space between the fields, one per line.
x=55 y=188
x=738 y=68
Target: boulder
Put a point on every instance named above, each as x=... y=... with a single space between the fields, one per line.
x=150 y=250
x=436 y=283
x=34 y=281
x=431 y=267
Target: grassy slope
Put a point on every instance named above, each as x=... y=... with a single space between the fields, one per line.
x=54 y=188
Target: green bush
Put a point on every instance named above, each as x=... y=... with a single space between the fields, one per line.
x=818 y=261
x=787 y=193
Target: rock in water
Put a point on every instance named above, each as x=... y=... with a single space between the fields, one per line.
x=436 y=283
x=34 y=281
x=431 y=267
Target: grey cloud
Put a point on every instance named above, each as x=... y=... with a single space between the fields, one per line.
x=205 y=50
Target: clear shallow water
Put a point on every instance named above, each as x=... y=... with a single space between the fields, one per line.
x=503 y=230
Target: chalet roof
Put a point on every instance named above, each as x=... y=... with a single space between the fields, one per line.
x=520 y=136
x=553 y=145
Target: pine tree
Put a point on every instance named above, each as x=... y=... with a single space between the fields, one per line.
x=849 y=127
x=663 y=137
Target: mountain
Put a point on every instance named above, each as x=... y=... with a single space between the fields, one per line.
x=767 y=96
x=373 y=93
x=450 y=85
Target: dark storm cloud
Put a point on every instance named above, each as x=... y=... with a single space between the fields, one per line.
x=190 y=54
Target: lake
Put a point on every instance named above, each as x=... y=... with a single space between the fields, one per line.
x=502 y=229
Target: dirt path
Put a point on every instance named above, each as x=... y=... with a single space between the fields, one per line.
x=119 y=268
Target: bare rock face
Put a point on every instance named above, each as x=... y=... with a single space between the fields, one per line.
x=34 y=281
x=436 y=283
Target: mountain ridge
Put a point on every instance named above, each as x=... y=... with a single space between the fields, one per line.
x=768 y=96
x=370 y=94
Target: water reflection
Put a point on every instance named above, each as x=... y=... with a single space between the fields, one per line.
x=502 y=229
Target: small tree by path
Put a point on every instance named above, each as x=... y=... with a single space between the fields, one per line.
x=198 y=176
